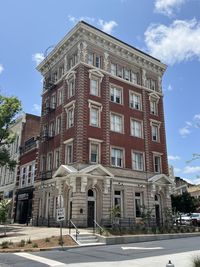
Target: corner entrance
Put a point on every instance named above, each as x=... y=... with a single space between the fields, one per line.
x=91 y=208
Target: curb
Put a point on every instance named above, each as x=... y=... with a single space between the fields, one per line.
x=64 y=248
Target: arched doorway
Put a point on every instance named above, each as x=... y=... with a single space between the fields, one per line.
x=158 y=209
x=91 y=214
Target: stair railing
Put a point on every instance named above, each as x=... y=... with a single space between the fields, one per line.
x=71 y=224
x=96 y=225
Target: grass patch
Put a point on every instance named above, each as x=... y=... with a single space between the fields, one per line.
x=22 y=243
x=35 y=245
x=47 y=239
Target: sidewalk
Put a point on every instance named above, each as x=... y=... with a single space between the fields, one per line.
x=16 y=232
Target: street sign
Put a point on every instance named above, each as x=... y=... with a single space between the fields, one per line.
x=60 y=215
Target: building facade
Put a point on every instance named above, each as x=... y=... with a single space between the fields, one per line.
x=27 y=169
x=102 y=131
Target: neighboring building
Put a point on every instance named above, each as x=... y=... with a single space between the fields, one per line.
x=27 y=168
x=102 y=131
x=194 y=191
x=181 y=186
x=8 y=177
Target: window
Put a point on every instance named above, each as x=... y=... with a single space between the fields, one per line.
x=157 y=164
x=59 y=97
x=27 y=174
x=58 y=125
x=126 y=74
x=155 y=132
x=151 y=84
x=117 y=157
x=49 y=161
x=138 y=204
x=113 y=69
x=57 y=159
x=94 y=116
x=118 y=202
x=69 y=153
x=94 y=59
x=53 y=102
x=138 y=161
x=70 y=117
x=55 y=76
x=116 y=94
x=61 y=71
x=94 y=86
x=119 y=71
x=94 y=152
x=90 y=58
x=134 y=77
x=51 y=129
x=154 y=106
x=135 y=101
x=43 y=163
x=71 y=88
x=136 y=128
x=116 y=123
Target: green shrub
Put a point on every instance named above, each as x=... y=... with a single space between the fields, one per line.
x=22 y=243
x=4 y=244
x=29 y=241
x=47 y=239
x=35 y=245
x=196 y=261
x=10 y=243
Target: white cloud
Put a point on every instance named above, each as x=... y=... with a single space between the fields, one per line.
x=74 y=20
x=177 y=170
x=107 y=26
x=167 y=7
x=175 y=43
x=38 y=57
x=169 y=88
x=197 y=117
x=1 y=68
x=191 y=169
x=171 y=157
x=184 y=131
x=36 y=108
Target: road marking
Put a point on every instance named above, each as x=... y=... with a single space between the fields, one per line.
x=40 y=259
x=142 y=248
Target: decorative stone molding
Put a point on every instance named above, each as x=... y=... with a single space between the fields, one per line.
x=82 y=51
x=106 y=183
x=153 y=190
x=106 y=61
x=84 y=181
x=72 y=183
x=144 y=77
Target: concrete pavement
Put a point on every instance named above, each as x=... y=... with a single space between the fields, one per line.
x=16 y=233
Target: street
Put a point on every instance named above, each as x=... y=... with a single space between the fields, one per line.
x=155 y=254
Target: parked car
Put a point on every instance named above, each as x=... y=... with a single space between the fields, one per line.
x=195 y=218
x=184 y=219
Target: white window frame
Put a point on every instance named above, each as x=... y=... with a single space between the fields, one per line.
x=69 y=148
x=120 y=199
x=136 y=131
x=70 y=117
x=98 y=145
x=160 y=163
x=114 y=125
x=56 y=158
x=113 y=69
x=116 y=92
x=71 y=87
x=58 y=125
x=141 y=202
x=134 y=77
x=95 y=106
x=59 y=97
x=94 y=90
x=136 y=163
x=155 y=135
x=50 y=161
x=117 y=149
x=135 y=100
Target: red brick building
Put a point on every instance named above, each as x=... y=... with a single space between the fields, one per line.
x=102 y=131
x=27 y=168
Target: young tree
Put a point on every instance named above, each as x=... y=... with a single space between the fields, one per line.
x=4 y=210
x=9 y=108
x=184 y=203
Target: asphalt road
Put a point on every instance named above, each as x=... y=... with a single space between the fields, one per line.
x=138 y=254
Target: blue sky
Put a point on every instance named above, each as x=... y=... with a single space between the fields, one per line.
x=167 y=29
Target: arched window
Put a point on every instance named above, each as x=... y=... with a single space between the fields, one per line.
x=90 y=193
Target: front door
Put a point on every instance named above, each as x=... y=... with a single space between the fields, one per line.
x=91 y=213
x=157 y=208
